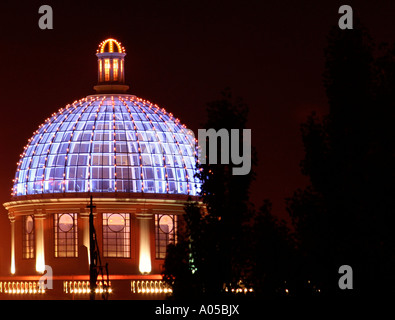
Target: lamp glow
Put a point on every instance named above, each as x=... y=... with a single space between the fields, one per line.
x=145 y=250
x=12 y=245
x=40 y=260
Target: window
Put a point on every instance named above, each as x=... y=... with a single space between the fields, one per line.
x=66 y=235
x=106 y=69
x=28 y=237
x=100 y=70
x=121 y=70
x=165 y=233
x=116 y=235
x=115 y=69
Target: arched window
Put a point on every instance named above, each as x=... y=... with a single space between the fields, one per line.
x=107 y=69
x=116 y=235
x=66 y=235
x=100 y=70
x=115 y=67
x=165 y=233
x=28 y=237
x=121 y=73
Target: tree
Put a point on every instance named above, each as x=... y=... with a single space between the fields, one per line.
x=179 y=267
x=273 y=259
x=225 y=195
x=343 y=216
x=212 y=249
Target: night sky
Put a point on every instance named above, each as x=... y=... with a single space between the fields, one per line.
x=180 y=55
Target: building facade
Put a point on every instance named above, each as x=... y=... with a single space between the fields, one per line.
x=135 y=160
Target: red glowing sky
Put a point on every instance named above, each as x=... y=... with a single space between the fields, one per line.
x=180 y=55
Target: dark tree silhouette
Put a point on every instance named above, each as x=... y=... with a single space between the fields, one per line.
x=344 y=217
x=273 y=260
x=227 y=244
x=214 y=246
x=226 y=196
x=180 y=264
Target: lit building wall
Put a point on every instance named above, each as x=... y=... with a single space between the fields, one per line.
x=141 y=240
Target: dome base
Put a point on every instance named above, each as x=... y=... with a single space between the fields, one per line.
x=111 y=88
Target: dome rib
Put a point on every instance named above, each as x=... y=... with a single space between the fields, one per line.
x=69 y=144
x=115 y=143
x=20 y=162
x=160 y=144
x=182 y=156
x=183 y=159
x=91 y=144
x=124 y=126
x=138 y=146
x=179 y=151
x=55 y=117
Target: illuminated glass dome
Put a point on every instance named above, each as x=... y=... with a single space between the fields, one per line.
x=109 y=142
